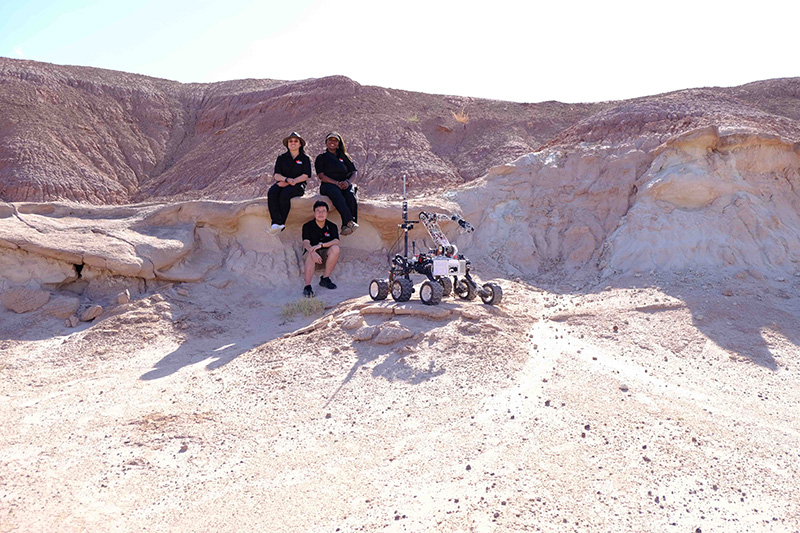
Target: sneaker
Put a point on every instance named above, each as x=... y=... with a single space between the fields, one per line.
x=327 y=283
x=276 y=228
x=308 y=292
x=349 y=228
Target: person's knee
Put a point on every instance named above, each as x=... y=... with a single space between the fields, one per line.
x=330 y=190
x=333 y=251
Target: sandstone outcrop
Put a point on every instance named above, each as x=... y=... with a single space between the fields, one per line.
x=66 y=244
x=704 y=200
x=391 y=332
x=23 y=300
x=62 y=306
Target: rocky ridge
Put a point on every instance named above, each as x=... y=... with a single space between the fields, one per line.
x=105 y=137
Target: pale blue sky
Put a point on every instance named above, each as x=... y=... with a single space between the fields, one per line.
x=520 y=51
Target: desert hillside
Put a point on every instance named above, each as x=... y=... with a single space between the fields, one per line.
x=160 y=370
x=105 y=137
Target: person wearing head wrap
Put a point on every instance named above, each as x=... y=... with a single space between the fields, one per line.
x=292 y=169
x=336 y=173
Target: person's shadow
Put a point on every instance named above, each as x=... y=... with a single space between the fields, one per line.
x=394 y=367
x=219 y=351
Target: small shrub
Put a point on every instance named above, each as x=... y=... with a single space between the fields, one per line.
x=414 y=119
x=461 y=117
x=303 y=306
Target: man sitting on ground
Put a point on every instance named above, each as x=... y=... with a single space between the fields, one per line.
x=321 y=242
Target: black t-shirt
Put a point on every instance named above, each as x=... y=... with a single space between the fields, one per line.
x=316 y=235
x=293 y=167
x=334 y=167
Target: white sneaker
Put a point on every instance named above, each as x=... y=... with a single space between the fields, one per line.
x=276 y=228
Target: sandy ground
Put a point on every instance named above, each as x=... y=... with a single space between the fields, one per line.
x=632 y=405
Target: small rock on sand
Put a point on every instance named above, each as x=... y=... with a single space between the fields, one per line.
x=91 y=313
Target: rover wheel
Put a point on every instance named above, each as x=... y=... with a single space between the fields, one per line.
x=402 y=288
x=491 y=293
x=466 y=290
x=430 y=292
x=447 y=285
x=378 y=289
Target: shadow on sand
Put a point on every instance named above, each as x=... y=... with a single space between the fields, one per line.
x=393 y=368
x=738 y=319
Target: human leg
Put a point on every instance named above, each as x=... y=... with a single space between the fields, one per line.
x=335 y=194
x=273 y=203
x=352 y=202
x=331 y=259
x=285 y=200
x=308 y=268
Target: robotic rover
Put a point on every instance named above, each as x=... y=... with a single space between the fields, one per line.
x=447 y=270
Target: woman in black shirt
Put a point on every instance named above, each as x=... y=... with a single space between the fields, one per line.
x=292 y=169
x=336 y=172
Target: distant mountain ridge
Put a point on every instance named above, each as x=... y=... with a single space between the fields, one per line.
x=105 y=137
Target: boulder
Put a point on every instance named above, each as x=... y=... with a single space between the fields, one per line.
x=392 y=332
x=91 y=313
x=352 y=322
x=62 y=306
x=24 y=300
x=365 y=333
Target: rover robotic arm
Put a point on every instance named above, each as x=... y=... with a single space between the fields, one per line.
x=443 y=245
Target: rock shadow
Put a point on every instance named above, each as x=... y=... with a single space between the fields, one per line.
x=735 y=319
x=742 y=329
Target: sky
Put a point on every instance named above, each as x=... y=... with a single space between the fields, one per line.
x=526 y=51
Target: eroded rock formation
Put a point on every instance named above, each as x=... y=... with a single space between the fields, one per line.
x=702 y=200
x=700 y=179
x=105 y=137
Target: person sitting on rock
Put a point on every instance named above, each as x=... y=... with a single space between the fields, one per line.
x=336 y=173
x=292 y=169
x=321 y=242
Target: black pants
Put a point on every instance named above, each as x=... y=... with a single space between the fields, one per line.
x=344 y=200
x=279 y=200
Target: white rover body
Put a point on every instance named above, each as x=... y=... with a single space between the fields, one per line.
x=447 y=270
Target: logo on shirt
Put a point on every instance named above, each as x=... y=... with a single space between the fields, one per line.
x=327 y=234
x=299 y=162
x=341 y=160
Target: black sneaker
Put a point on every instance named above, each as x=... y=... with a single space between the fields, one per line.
x=308 y=292
x=327 y=283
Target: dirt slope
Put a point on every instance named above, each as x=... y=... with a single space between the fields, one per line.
x=605 y=408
